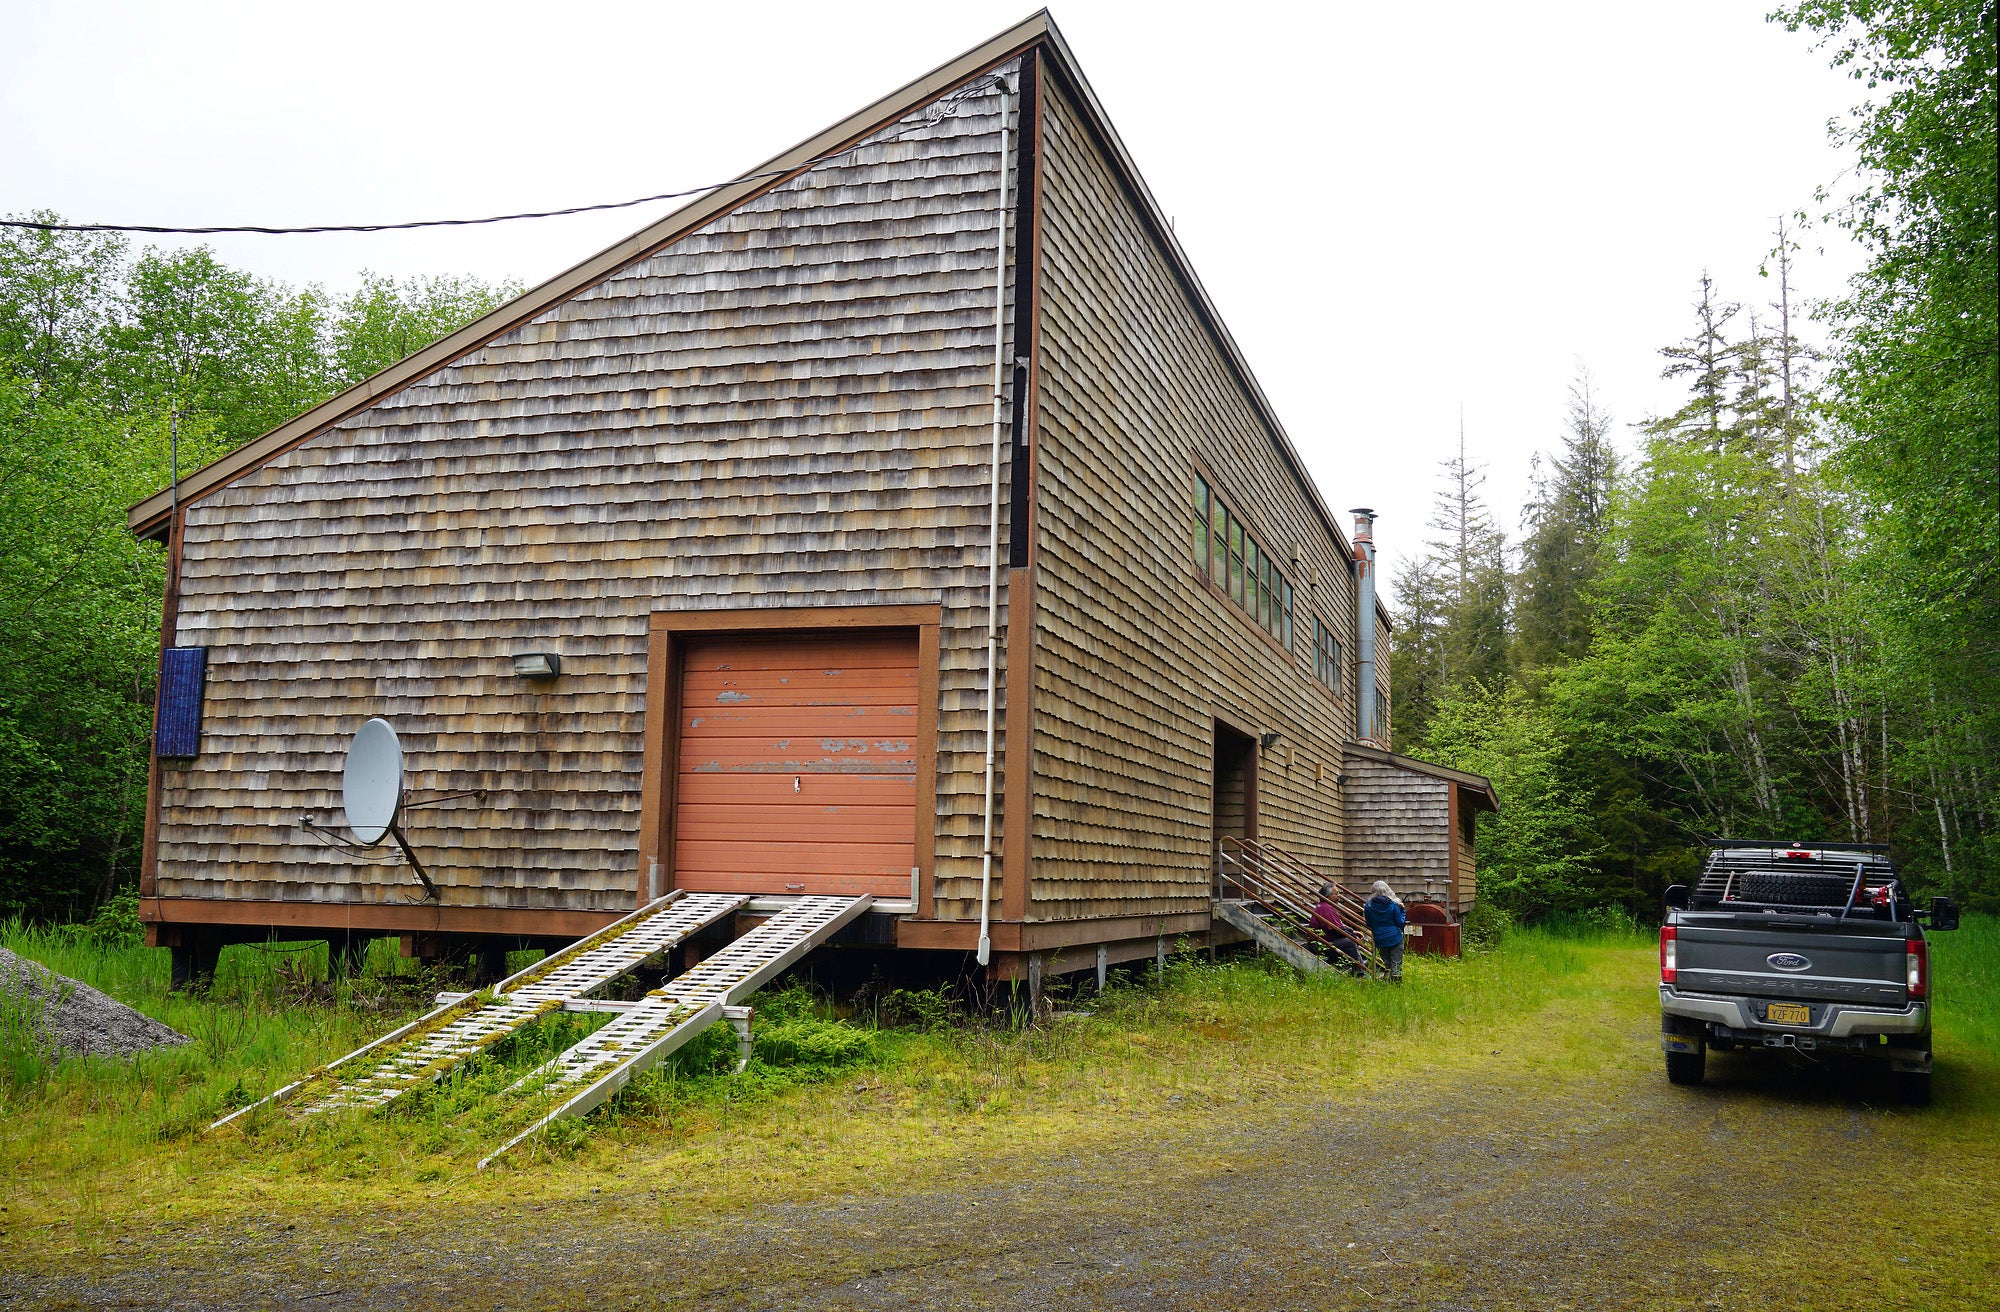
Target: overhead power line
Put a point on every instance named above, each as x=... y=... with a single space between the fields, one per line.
x=222 y=229
x=932 y=115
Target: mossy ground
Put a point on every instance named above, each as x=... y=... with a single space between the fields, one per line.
x=1537 y=1053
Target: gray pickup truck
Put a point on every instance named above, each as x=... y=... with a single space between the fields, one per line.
x=1814 y=948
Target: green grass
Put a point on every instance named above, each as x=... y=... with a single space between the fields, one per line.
x=90 y=1149
x=1965 y=984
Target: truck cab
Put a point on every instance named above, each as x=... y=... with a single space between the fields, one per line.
x=1815 y=948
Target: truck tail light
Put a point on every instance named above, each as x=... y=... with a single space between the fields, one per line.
x=1917 y=960
x=1668 y=944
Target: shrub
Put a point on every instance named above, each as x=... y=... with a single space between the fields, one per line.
x=1484 y=925
x=928 y=1010
x=813 y=1044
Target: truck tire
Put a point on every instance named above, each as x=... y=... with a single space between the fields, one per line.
x=1913 y=1088
x=1686 y=1067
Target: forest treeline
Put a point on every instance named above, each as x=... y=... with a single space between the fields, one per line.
x=1779 y=617
x=115 y=366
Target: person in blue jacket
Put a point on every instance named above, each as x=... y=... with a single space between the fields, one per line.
x=1386 y=921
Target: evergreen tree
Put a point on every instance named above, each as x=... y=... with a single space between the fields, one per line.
x=1471 y=555
x=1451 y=618
x=1706 y=359
x=1564 y=526
x=1416 y=657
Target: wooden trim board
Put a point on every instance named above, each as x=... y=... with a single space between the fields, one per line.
x=1018 y=799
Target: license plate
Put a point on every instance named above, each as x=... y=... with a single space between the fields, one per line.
x=1788 y=1013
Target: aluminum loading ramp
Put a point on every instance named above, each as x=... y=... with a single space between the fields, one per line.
x=601 y=1064
x=419 y=1053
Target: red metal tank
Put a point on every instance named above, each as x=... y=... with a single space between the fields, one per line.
x=1431 y=931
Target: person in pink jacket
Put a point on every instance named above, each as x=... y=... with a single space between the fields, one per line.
x=1341 y=949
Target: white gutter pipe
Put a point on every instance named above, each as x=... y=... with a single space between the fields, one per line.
x=993 y=544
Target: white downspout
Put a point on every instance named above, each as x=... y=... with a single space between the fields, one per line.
x=993 y=544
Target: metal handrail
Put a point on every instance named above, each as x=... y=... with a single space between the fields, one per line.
x=1290 y=888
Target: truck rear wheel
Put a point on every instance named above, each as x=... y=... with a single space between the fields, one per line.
x=1686 y=1067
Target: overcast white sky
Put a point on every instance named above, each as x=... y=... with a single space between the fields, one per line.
x=1398 y=208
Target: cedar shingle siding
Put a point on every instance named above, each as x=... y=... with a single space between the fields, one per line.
x=1134 y=655
x=1398 y=827
x=789 y=406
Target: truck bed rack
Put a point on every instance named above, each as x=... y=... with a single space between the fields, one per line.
x=1742 y=876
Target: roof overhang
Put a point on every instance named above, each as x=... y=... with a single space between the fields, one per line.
x=1475 y=788
x=150 y=517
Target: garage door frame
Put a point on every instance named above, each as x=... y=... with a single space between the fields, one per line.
x=666 y=643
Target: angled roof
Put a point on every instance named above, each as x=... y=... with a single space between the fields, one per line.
x=1477 y=785
x=149 y=517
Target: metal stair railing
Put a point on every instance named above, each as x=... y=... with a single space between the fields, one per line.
x=1289 y=889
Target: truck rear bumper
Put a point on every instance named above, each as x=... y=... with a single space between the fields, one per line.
x=1839 y=1020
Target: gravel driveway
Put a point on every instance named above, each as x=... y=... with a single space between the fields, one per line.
x=1572 y=1177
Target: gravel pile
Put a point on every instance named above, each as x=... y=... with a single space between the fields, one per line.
x=72 y=1017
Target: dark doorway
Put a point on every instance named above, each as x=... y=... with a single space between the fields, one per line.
x=1233 y=810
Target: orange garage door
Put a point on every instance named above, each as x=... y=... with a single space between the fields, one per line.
x=797 y=764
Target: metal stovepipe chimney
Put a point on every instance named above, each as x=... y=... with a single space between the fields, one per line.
x=1364 y=637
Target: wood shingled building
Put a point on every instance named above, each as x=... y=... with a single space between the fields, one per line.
x=735 y=477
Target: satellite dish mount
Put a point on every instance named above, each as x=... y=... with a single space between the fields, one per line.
x=372 y=793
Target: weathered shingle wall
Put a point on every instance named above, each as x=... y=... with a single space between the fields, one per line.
x=789 y=407
x=1398 y=827
x=1134 y=654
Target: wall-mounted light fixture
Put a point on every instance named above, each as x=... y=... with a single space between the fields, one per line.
x=1269 y=738
x=1340 y=779
x=537 y=664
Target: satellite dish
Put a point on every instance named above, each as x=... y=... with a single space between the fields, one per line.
x=372 y=786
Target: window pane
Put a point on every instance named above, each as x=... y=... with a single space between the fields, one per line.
x=1236 y=579
x=1218 y=564
x=1201 y=525
x=1252 y=569
x=1286 y=636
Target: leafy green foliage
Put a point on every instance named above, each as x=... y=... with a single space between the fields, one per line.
x=1917 y=389
x=1785 y=624
x=385 y=321
x=1538 y=854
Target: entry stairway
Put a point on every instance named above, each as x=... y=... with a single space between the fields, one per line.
x=644 y=1032
x=1269 y=895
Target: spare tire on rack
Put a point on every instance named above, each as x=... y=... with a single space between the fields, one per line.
x=1794 y=888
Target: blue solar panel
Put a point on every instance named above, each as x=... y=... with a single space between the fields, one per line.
x=177 y=729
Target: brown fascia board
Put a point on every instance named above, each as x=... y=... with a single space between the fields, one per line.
x=1163 y=233
x=1478 y=785
x=149 y=517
